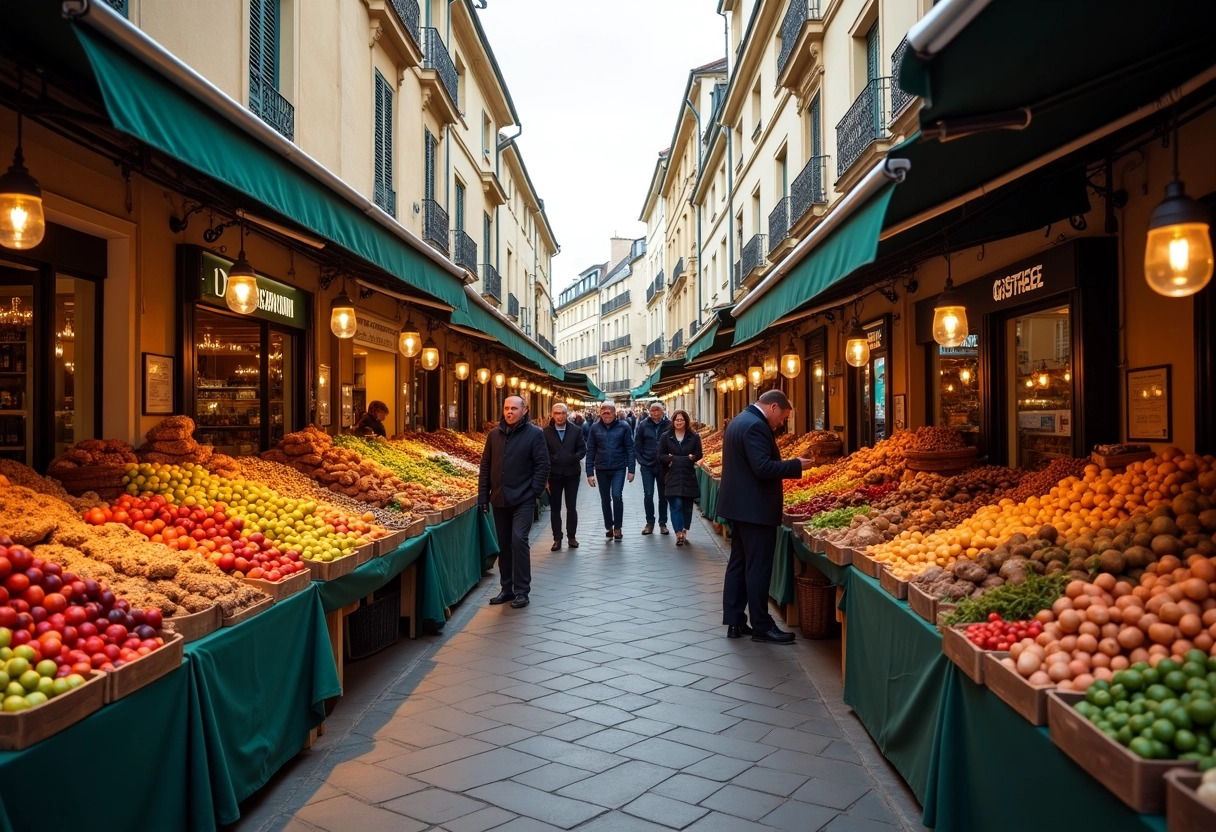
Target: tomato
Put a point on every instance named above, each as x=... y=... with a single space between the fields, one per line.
x=17 y=583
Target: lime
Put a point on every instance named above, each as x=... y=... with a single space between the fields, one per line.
x=1198 y=686
x=1158 y=693
x=1100 y=698
x=1184 y=740
x=1141 y=747
x=1175 y=680
x=1124 y=736
x=1160 y=750
x=1163 y=730
x=1180 y=718
x=1194 y=669
x=1151 y=676
x=1196 y=655
x=1167 y=666
x=1139 y=722
x=1201 y=711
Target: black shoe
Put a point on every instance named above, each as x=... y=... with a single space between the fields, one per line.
x=573 y=542
x=774 y=636
x=738 y=631
x=557 y=544
x=663 y=528
x=521 y=601
x=502 y=597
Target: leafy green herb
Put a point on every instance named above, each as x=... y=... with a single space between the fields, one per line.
x=1012 y=602
x=837 y=518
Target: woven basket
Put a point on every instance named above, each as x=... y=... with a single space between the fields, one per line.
x=374 y=625
x=106 y=480
x=953 y=460
x=816 y=605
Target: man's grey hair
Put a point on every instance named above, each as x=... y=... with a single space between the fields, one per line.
x=658 y=404
x=561 y=406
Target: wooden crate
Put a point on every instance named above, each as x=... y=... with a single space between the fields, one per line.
x=1011 y=688
x=895 y=587
x=839 y=555
x=387 y=544
x=364 y=553
x=1184 y=811
x=788 y=520
x=416 y=528
x=922 y=603
x=448 y=512
x=968 y=657
x=1120 y=461
x=248 y=613
x=132 y=676
x=1137 y=782
x=956 y=459
x=196 y=625
x=865 y=564
x=817 y=544
x=434 y=518
x=21 y=729
x=333 y=569
x=281 y=590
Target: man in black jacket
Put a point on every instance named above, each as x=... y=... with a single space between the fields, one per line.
x=514 y=470
x=567 y=447
x=750 y=498
x=646 y=446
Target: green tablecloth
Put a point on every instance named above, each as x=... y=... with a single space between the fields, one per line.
x=456 y=552
x=372 y=575
x=781 y=585
x=836 y=574
x=709 y=493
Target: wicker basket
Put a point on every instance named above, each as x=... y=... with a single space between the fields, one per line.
x=374 y=625
x=816 y=605
x=957 y=459
x=105 y=480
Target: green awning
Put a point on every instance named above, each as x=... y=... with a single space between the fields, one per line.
x=704 y=341
x=850 y=246
x=474 y=316
x=714 y=336
x=146 y=105
x=667 y=370
x=580 y=383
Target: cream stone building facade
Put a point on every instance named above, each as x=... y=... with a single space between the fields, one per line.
x=578 y=323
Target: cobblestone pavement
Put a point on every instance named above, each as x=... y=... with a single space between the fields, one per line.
x=614 y=703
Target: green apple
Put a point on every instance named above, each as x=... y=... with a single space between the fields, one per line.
x=75 y=679
x=17 y=665
x=36 y=698
x=29 y=679
x=46 y=667
x=16 y=703
x=14 y=689
x=6 y=636
x=60 y=686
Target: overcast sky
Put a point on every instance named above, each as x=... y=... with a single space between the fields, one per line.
x=597 y=85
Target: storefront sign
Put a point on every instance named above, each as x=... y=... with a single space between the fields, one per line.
x=158 y=384
x=875 y=334
x=970 y=348
x=1149 y=410
x=376 y=333
x=1019 y=283
x=277 y=301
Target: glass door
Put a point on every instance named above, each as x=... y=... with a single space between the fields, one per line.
x=957 y=400
x=279 y=375
x=16 y=351
x=228 y=402
x=1039 y=379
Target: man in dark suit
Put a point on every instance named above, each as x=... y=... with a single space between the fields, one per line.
x=567 y=447
x=750 y=498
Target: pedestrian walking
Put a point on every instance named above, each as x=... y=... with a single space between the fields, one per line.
x=678 y=455
x=567 y=448
x=646 y=447
x=750 y=499
x=514 y=470
x=610 y=458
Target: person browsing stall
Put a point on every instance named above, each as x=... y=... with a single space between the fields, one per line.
x=373 y=420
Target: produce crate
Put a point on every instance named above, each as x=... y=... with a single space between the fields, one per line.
x=1137 y=782
x=147 y=669
x=386 y=544
x=816 y=605
x=1184 y=811
x=788 y=520
x=333 y=569
x=922 y=603
x=1011 y=688
x=281 y=590
x=247 y=613
x=865 y=564
x=968 y=657
x=1120 y=461
x=957 y=459
x=895 y=587
x=416 y=528
x=448 y=512
x=197 y=624
x=364 y=553
x=374 y=625
x=817 y=544
x=104 y=480
x=21 y=729
x=434 y=518
x=839 y=555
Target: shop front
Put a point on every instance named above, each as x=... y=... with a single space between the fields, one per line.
x=869 y=388
x=244 y=378
x=375 y=374
x=1041 y=336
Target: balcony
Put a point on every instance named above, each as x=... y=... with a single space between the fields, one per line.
x=655 y=349
x=899 y=99
x=119 y=6
x=408 y=13
x=266 y=103
x=693 y=329
x=808 y=189
x=440 y=82
x=435 y=224
x=779 y=222
x=385 y=197
x=622 y=386
x=464 y=251
x=546 y=345
x=624 y=342
x=753 y=259
x=864 y=124
x=677 y=341
x=716 y=97
x=616 y=303
x=656 y=287
x=512 y=307
x=491 y=283
x=802 y=26
x=677 y=273
x=580 y=363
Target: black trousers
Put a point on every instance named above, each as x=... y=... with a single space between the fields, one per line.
x=568 y=486
x=514 y=552
x=748 y=574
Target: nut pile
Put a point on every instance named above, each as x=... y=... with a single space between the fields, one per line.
x=91 y=452
x=312 y=452
x=172 y=441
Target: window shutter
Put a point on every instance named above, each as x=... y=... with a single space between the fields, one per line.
x=383 y=133
x=264 y=41
x=872 y=53
x=816 y=128
x=459 y=207
x=429 y=181
x=486 y=236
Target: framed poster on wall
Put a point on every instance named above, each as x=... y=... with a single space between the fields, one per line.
x=1150 y=412
x=158 y=385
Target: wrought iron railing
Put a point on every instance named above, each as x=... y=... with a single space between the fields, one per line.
x=435 y=224
x=677 y=340
x=621 y=386
x=716 y=97
x=616 y=344
x=491 y=283
x=799 y=12
x=863 y=124
x=807 y=189
x=408 y=13
x=119 y=6
x=512 y=305
x=779 y=221
x=435 y=56
x=616 y=303
x=654 y=349
x=693 y=329
x=464 y=250
x=735 y=281
x=270 y=106
x=579 y=363
x=385 y=197
x=677 y=272
x=657 y=285
x=753 y=255
x=546 y=345
x=899 y=98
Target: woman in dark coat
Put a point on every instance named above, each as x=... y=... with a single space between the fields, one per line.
x=678 y=454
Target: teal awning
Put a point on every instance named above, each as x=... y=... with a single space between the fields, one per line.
x=474 y=316
x=714 y=336
x=666 y=371
x=581 y=383
x=850 y=246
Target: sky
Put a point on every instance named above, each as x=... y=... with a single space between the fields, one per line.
x=598 y=85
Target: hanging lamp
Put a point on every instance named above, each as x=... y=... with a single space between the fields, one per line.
x=791 y=362
x=857 y=347
x=461 y=368
x=241 y=291
x=1178 y=251
x=949 y=315
x=409 y=342
x=430 y=354
x=342 y=321
x=22 y=222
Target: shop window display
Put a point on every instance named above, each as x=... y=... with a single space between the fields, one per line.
x=16 y=378
x=1041 y=375
x=958 y=401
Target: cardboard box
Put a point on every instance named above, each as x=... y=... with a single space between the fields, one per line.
x=893 y=586
x=132 y=676
x=415 y=529
x=865 y=564
x=1011 y=688
x=1137 y=782
x=21 y=729
x=364 y=553
x=1184 y=811
x=968 y=657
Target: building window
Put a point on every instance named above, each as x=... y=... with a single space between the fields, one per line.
x=487 y=132
x=383 y=194
x=264 y=54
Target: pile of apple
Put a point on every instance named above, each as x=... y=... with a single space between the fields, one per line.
x=78 y=625
x=210 y=531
